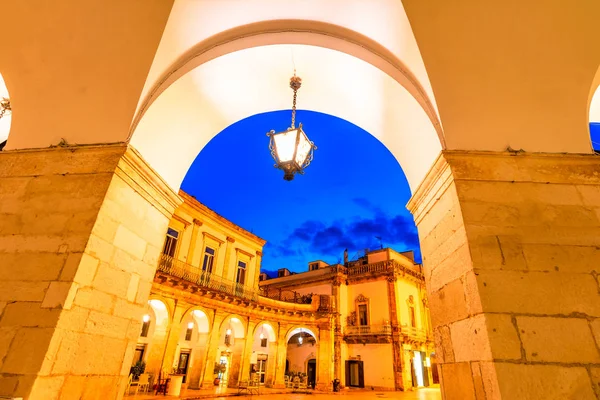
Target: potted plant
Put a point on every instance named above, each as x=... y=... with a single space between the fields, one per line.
x=138 y=369
x=219 y=369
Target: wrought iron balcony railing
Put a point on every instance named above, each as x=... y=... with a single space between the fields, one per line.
x=413 y=332
x=354 y=269
x=368 y=330
x=170 y=266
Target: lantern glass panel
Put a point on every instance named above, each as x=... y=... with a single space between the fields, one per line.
x=304 y=147
x=285 y=144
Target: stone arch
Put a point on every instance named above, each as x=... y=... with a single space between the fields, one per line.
x=200 y=316
x=313 y=33
x=162 y=311
x=268 y=330
x=236 y=324
x=297 y=329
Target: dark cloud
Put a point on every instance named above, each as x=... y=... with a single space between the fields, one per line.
x=356 y=234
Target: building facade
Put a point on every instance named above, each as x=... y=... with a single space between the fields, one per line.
x=207 y=320
x=211 y=320
x=383 y=336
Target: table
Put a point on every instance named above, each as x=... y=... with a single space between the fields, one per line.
x=174 y=388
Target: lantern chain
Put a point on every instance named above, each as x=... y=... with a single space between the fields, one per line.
x=295 y=83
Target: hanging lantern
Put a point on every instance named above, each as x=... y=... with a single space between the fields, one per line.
x=291 y=149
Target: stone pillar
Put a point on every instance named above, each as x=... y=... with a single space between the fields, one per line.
x=257 y=262
x=325 y=358
x=396 y=337
x=338 y=337
x=172 y=343
x=227 y=260
x=247 y=352
x=80 y=233
x=212 y=347
x=511 y=249
x=281 y=356
x=193 y=242
x=198 y=359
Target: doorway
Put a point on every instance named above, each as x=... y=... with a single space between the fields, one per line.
x=184 y=360
x=311 y=372
x=261 y=368
x=355 y=375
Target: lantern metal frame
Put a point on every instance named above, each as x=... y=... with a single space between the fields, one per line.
x=291 y=167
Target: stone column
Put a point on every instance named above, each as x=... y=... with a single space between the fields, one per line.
x=281 y=356
x=338 y=337
x=249 y=341
x=257 y=262
x=80 y=233
x=172 y=343
x=511 y=249
x=198 y=359
x=193 y=242
x=396 y=337
x=212 y=347
x=325 y=358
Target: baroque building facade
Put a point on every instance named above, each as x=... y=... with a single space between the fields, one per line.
x=382 y=336
x=211 y=321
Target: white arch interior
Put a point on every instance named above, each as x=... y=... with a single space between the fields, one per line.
x=201 y=321
x=300 y=330
x=6 y=119
x=236 y=326
x=192 y=21
x=232 y=87
x=595 y=107
x=266 y=330
x=161 y=312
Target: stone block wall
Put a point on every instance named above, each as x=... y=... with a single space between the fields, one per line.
x=81 y=229
x=511 y=255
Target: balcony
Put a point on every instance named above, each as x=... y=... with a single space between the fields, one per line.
x=368 y=334
x=415 y=334
x=355 y=270
x=169 y=266
x=368 y=330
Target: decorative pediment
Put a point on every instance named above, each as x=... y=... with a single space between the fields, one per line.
x=361 y=298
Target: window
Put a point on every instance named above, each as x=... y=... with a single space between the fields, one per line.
x=241 y=273
x=209 y=258
x=313 y=266
x=188 y=334
x=140 y=349
x=145 y=328
x=412 y=316
x=171 y=242
x=362 y=315
x=280 y=273
x=263 y=342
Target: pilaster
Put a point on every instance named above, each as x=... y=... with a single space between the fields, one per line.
x=510 y=251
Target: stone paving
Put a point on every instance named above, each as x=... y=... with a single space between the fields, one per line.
x=223 y=394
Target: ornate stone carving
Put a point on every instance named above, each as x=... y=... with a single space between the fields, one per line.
x=351 y=319
x=361 y=298
x=411 y=300
x=230 y=239
x=392 y=278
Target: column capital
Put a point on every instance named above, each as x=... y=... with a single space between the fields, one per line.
x=197 y=222
x=230 y=239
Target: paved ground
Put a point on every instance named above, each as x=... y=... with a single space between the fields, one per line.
x=422 y=394
x=273 y=394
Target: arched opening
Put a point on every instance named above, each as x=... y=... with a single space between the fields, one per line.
x=5 y=113
x=301 y=353
x=594 y=119
x=148 y=352
x=214 y=95
x=192 y=346
x=230 y=352
x=264 y=351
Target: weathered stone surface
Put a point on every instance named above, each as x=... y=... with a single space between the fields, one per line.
x=566 y=340
x=458 y=381
x=448 y=304
x=543 y=382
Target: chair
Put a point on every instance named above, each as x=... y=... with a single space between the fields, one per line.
x=302 y=384
x=162 y=384
x=144 y=382
x=131 y=383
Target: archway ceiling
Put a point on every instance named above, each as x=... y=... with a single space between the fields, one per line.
x=235 y=86
x=192 y=22
x=512 y=73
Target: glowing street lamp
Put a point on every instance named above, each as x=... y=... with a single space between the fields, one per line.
x=291 y=149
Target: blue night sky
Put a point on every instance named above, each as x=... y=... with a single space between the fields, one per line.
x=353 y=191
